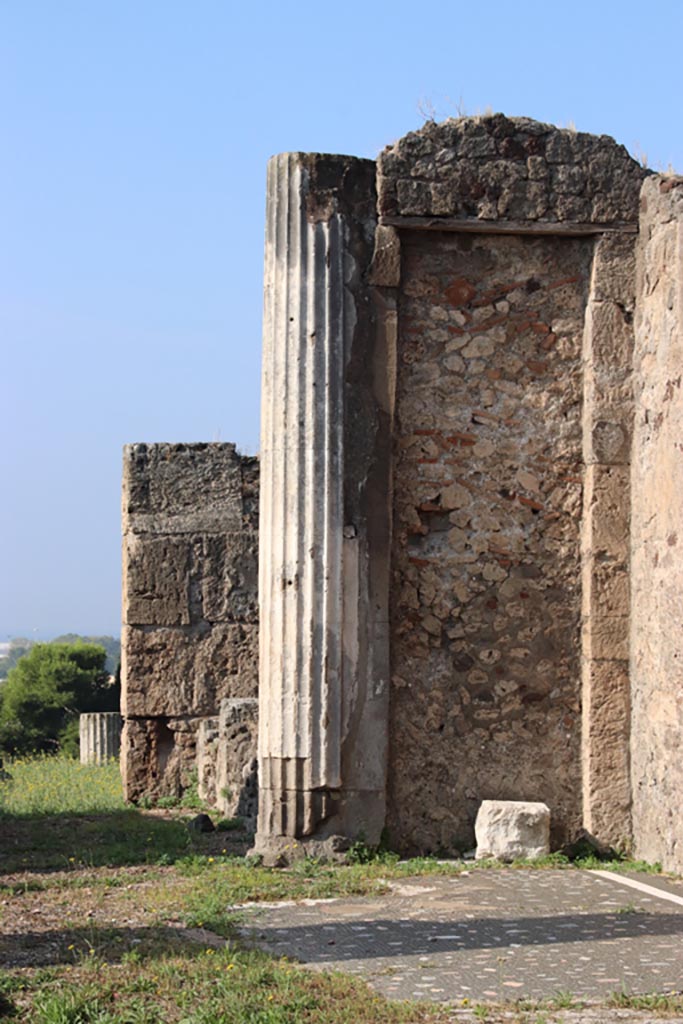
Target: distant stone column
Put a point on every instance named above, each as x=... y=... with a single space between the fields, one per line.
x=100 y=736
x=324 y=527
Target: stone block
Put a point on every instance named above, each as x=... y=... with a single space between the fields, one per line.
x=229 y=578
x=158 y=756
x=156 y=580
x=610 y=335
x=177 y=672
x=606 y=782
x=181 y=488
x=509 y=829
x=606 y=530
x=236 y=760
x=207 y=748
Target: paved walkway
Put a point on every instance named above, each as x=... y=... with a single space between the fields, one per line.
x=492 y=935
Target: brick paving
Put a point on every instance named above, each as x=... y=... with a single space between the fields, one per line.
x=490 y=936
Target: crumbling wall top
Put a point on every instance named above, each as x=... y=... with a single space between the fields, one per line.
x=498 y=168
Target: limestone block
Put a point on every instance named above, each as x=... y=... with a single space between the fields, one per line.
x=156 y=580
x=229 y=575
x=611 y=332
x=236 y=785
x=606 y=503
x=158 y=756
x=177 y=672
x=508 y=829
x=385 y=270
x=606 y=783
x=207 y=748
x=181 y=488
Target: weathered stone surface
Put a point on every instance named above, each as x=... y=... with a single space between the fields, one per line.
x=207 y=750
x=488 y=492
x=492 y=308
x=158 y=756
x=161 y=483
x=237 y=760
x=511 y=829
x=181 y=672
x=229 y=578
x=500 y=168
x=657 y=529
x=157 y=580
x=190 y=635
x=607 y=433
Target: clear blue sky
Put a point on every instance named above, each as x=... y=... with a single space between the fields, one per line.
x=135 y=135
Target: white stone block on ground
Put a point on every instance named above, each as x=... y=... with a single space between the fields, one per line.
x=510 y=829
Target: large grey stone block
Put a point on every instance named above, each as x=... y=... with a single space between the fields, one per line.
x=509 y=829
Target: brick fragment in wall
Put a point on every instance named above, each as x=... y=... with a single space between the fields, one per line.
x=486 y=597
x=495 y=167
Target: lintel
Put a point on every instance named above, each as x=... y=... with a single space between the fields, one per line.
x=508 y=227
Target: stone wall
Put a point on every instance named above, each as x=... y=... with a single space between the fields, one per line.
x=508 y=247
x=657 y=530
x=455 y=430
x=190 y=618
x=513 y=169
x=488 y=477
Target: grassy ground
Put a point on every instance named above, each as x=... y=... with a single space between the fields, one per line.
x=116 y=915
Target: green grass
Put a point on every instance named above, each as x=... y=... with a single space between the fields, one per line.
x=57 y=813
x=146 y=969
x=209 y=986
x=660 y=1004
x=51 y=785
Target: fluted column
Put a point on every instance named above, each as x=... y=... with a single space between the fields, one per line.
x=100 y=736
x=317 y=450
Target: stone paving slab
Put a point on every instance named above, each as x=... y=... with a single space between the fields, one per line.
x=490 y=936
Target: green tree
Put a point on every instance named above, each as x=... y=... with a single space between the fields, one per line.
x=46 y=692
x=111 y=644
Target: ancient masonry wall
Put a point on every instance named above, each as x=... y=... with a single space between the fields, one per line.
x=190 y=616
x=485 y=640
x=657 y=530
x=513 y=281
x=472 y=516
